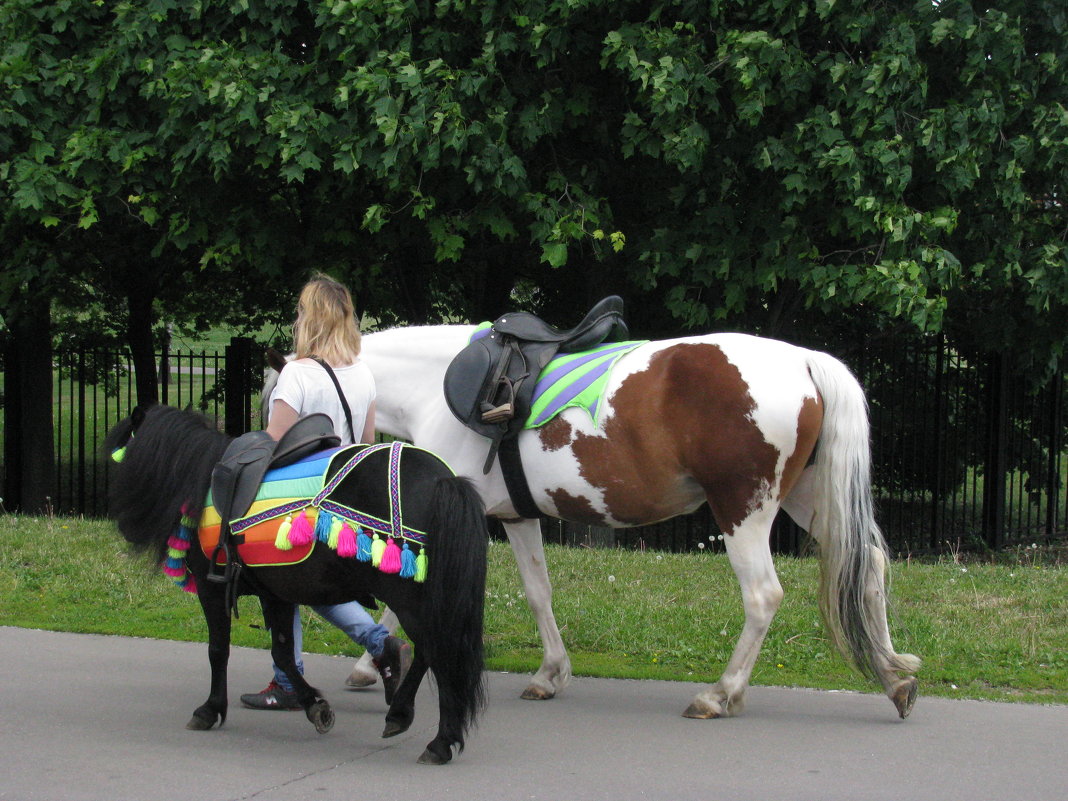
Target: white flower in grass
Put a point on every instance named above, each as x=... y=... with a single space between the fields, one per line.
x=701 y=545
x=611 y=579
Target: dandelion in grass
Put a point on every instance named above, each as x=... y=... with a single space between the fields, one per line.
x=611 y=579
x=701 y=545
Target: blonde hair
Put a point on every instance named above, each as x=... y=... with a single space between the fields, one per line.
x=326 y=322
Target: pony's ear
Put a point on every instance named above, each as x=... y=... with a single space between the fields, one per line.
x=137 y=416
x=275 y=360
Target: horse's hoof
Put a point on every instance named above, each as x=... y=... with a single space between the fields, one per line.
x=428 y=757
x=199 y=724
x=536 y=693
x=699 y=711
x=395 y=727
x=905 y=696
x=359 y=679
x=322 y=716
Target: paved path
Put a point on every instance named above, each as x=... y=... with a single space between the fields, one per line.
x=93 y=718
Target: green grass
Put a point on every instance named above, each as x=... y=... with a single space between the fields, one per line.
x=985 y=630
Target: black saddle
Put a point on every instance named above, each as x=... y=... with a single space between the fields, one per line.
x=490 y=384
x=238 y=475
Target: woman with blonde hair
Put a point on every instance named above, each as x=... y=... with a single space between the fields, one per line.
x=328 y=376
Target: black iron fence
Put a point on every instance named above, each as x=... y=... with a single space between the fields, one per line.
x=964 y=456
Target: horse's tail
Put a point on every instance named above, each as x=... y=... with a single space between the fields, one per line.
x=455 y=602
x=853 y=553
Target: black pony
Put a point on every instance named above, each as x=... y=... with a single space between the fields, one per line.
x=165 y=475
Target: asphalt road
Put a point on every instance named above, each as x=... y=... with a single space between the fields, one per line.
x=93 y=718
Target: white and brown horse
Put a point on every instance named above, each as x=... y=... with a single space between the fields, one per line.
x=747 y=424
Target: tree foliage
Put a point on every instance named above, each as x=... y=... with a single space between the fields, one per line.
x=772 y=165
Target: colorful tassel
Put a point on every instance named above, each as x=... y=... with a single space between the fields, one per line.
x=119 y=454
x=323 y=525
x=407 y=562
x=335 y=533
x=363 y=546
x=421 y=562
x=301 y=531
x=189 y=583
x=346 y=541
x=177 y=542
x=377 y=549
x=391 y=558
x=281 y=542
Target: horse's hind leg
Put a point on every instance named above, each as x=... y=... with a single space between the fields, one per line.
x=749 y=551
x=279 y=617
x=888 y=663
x=401 y=712
x=554 y=674
x=213 y=602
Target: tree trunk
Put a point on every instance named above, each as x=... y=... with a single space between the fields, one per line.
x=139 y=337
x=28 y=432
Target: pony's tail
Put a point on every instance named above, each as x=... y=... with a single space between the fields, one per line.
x=853 y=553
x=454 y=603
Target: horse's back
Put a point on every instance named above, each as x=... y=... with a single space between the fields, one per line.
x=683 y=420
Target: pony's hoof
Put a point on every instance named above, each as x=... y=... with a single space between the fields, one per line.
x=204 y=718
x=360 y=678
x=322 y=716
x=905 y=696
x=428 y=757
x=395 y=727
x=536 y=693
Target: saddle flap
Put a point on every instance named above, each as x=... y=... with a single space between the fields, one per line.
x=466 y=381
x=238 y=474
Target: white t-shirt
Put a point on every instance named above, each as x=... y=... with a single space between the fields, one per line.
x=306 y=386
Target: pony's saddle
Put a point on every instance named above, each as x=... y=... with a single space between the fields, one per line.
x=238 y=475
x=490 y=383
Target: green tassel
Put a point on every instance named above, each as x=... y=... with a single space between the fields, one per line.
x=335 y=532
x=421 y=565
x=281 y=542
x=378 y=547
x=119 y=455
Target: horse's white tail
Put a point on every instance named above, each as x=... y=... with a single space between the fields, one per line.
x=853 y=553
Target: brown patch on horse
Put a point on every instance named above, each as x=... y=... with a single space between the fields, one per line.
x=555 y=434
x=809 y=422
x=574 y=508
x=683 y=421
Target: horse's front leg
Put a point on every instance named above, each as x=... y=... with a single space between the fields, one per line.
x=364 y=674
x=212 y=599
x=280 y=618
x=555 y=671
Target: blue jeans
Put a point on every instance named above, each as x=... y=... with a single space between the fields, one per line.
x=352 y=619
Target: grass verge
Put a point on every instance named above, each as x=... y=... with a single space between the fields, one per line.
x=987 y=631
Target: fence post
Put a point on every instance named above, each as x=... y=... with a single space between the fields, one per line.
x=12 y=431
x=996 y=465
x=238 y=408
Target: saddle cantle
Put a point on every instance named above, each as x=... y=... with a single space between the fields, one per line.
x=490 y=383
x=238 y=475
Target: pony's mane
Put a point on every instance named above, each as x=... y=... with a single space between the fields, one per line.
x=167 y=466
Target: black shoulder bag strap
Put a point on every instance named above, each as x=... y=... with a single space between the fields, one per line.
x=341 y=396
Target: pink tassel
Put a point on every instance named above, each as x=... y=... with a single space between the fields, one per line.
x=174 y=572
x=190 y=585
x=391 y=558
x=346 y=541
x=301 y=532
x=178 y=543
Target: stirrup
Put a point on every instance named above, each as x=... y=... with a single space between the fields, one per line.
x=499 y=414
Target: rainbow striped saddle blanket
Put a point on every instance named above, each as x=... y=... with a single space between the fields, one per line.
x=295 y=512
